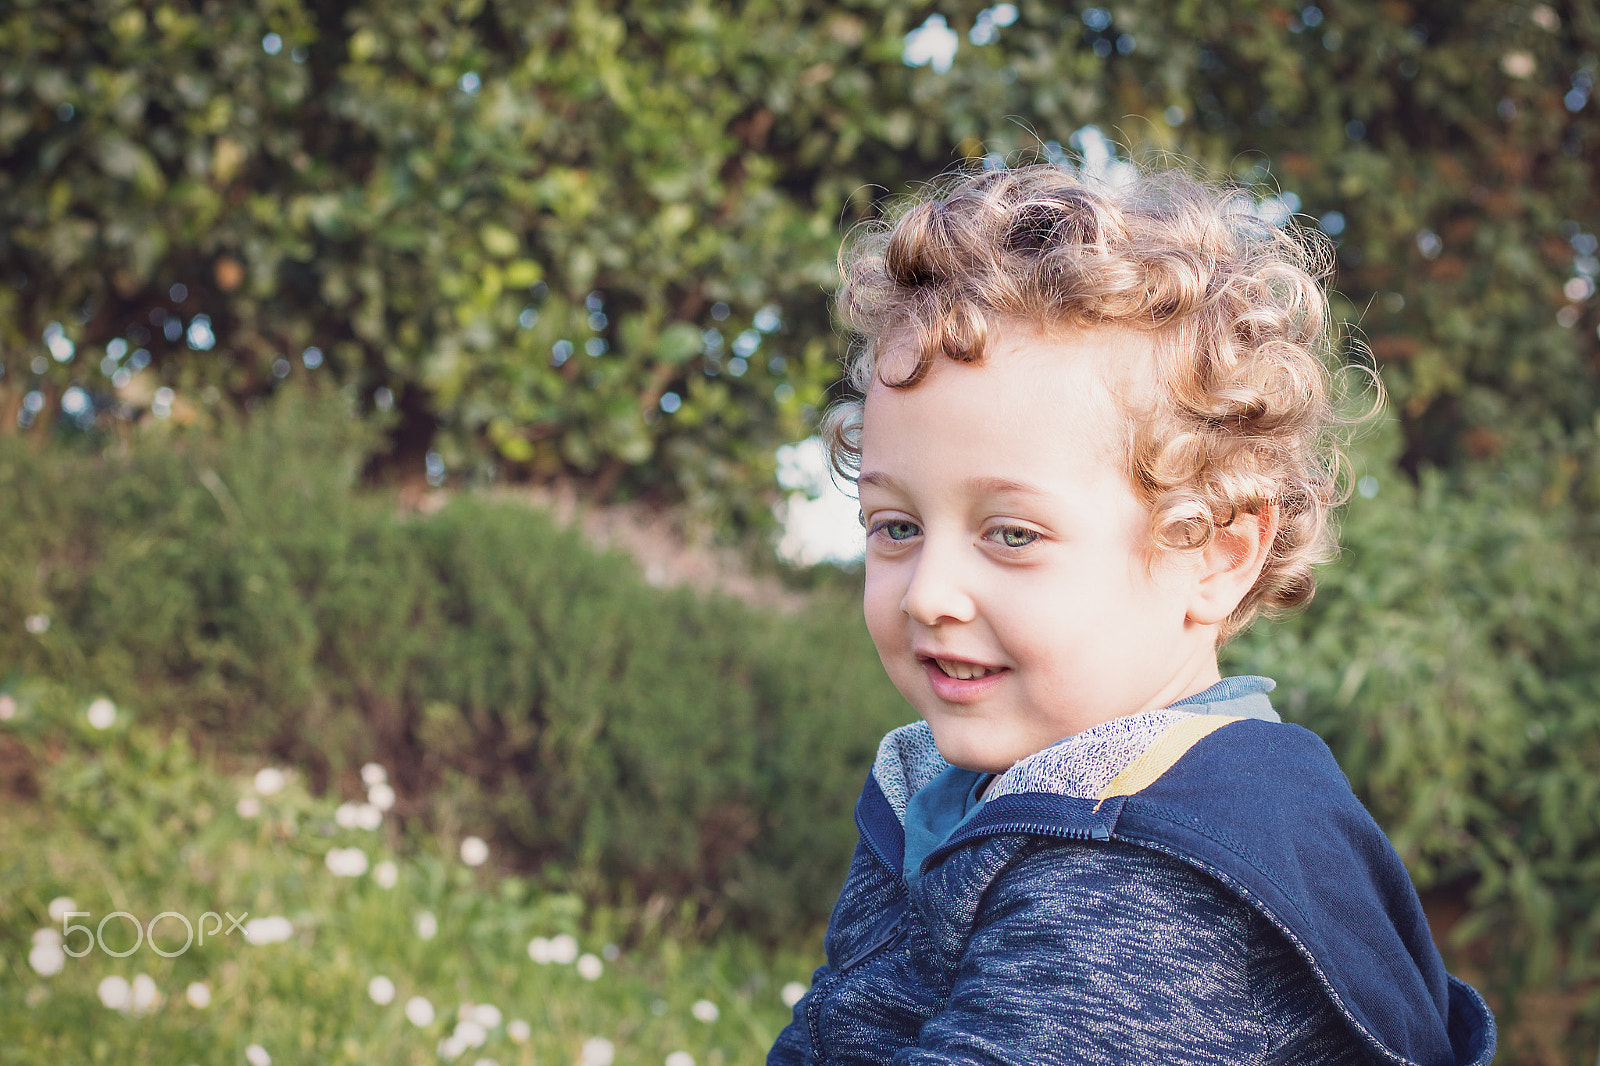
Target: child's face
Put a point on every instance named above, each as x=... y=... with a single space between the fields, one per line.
x=1010 y=587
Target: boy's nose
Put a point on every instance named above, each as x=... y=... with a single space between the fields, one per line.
x=937 y=592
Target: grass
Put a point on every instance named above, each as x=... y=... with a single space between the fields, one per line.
x=127 y=819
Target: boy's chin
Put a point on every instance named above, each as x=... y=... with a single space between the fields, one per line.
x=974 y=746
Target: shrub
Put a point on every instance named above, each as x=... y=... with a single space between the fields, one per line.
x=458 y=201
x=681 y=743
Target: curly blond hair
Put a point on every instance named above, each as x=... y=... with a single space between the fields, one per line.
x=1240 y=419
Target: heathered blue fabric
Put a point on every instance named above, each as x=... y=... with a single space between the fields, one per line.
x=1244 y=910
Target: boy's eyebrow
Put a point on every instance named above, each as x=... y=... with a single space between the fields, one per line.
x=997 y=485
x=987 y=485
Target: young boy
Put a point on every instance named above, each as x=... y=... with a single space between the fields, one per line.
x=1090 y=446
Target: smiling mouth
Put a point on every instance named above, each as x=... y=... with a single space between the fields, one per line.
x=964 y=671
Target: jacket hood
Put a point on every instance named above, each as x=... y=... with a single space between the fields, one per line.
x=1264 y=809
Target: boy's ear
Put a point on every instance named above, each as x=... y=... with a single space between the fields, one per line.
x=1230 y=565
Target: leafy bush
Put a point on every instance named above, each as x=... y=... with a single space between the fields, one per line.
x=458 y=201
x=683 y=743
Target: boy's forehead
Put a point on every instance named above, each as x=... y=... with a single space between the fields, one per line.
x=1121 y=356
x=1034 y=398
x=1024 y=362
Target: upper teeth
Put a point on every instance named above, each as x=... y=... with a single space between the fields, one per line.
x=963 y=671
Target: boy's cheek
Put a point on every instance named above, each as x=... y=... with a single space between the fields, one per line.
x=881 y=608
x=887 y=625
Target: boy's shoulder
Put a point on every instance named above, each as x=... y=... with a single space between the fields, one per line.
x=1263 y=808
x=1260 y=805
x=1255 y=786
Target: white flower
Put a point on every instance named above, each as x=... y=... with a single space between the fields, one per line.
x=704 y=1010
x=145 y=994
x=381 y=796
x=680 y=1058
x=450 y=1047
x=793 y=993
x=46 y=936
x=563 y=949
x=46 y=956
x=270 y=930
x=248 y=807
x=486 y=1062
x=539 y=950
x=486 y=1015
x=381 y=989
x=1518 y=64
x=589 y=967
x=115 y=992
x=60 y=906
x=36 y=623
x=598 y=1051
x=373 y=774
x=518 y=1030
x=256 y=1055
x=358 y=816
x=427 y=925
x=198 y=994
x=346 y=862
x=8 y=707
x=386 y=874
x=102 y=713
x=474 y=851
x=270 y=781
x=470 y=1034
x=419 y=1011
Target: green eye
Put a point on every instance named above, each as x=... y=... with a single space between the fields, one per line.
x=901 y=530
x=1015 y=536
x=896 y=529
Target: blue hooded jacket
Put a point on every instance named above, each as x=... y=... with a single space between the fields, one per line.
x=1183 y=886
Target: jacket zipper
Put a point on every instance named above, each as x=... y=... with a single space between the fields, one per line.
x=1095 y=832
x=889 y=939
x=886 y=941
x=1098 y=832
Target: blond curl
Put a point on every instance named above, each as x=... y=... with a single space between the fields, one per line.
x=1241 y=419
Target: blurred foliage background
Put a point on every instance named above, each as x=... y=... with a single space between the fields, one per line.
x=597 y=239
x=253 y=257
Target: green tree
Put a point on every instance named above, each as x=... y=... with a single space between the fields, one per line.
x=525 y=225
